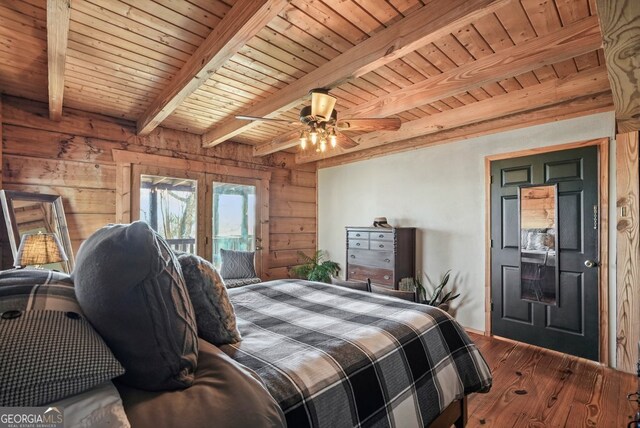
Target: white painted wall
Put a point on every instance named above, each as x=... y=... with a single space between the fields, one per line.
x=439 y=190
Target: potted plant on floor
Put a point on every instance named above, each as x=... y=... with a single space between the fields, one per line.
x=316 y=268
x=439 y=297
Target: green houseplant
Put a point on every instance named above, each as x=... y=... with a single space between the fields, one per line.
x=316 y=268
x=439 y=296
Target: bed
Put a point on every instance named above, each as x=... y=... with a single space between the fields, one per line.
x=334 y=357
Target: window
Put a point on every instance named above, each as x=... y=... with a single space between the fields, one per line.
x=234 y=218
x=198 y=207
x=170 y=206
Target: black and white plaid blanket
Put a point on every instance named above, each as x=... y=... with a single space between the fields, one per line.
x=333 y=357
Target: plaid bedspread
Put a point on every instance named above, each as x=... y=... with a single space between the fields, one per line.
x=333 y=357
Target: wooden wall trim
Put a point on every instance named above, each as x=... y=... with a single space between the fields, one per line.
x=127 y=157
x=603 y=280
x=628 y=251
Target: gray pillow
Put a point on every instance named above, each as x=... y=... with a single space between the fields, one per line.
x=130 y=286
x=237 y=264
x=48 y=350
x=215 y=316
x=537 y=241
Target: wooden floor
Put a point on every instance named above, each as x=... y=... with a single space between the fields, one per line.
x=534 y=387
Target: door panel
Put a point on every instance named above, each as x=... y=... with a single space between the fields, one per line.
x=513 y=307
x=571 y=325
x=570 y=318
x=510 y=233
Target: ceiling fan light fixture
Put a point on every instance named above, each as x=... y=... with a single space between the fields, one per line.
x=323 y=145
x=313 y=135
x=333 y=138
x=322 y=104
x=303 y=140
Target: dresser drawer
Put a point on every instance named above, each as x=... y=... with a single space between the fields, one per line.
x=376 y=275
x=383 y=259
x=357 y=234
x=359 y=243
x=381 y=236
x=381 y=245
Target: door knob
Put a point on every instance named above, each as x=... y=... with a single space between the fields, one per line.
x=590 y=263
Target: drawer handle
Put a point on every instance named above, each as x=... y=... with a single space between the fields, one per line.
x=357 y=234
x=353 y=256
x=380 y=236
x=387 y=277
x=357 y=244
x=386 y=260
x=381 y=245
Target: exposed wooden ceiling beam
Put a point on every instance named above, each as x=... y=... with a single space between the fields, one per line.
x=574 y=108
x=58 y=13
x=573 y=40
x=620 y=22
x=429 y=23
x=241 y=23
x=591 y=81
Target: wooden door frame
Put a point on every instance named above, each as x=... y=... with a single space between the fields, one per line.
x=126 y=160
x=603 y=242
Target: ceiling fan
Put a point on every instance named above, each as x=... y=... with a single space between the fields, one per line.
x=320 y=124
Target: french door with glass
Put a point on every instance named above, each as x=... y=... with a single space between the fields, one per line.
x=199 y=213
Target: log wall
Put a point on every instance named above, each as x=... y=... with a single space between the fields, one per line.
x=628 y=251
x=73 y=158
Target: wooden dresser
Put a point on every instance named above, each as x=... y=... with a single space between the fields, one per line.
x=385 y=255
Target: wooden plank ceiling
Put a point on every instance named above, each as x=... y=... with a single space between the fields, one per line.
x=504 y=58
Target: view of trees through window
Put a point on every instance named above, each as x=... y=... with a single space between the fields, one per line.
x=169 y=206
x=234 y=214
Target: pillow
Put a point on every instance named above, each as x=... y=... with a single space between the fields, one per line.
x=240 y=282
x=225 y=394
x=537 y=241
x=48 y=350
x=33 y=277
x=130 y=286
x=237 y=264
x=98 y=407
x=215 y=317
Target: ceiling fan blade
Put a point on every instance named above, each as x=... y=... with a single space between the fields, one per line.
x=369 y=124
x=345 y=142
x=265 y=119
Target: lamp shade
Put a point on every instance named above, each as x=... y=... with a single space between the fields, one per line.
x=39 y=249
x=322 y=104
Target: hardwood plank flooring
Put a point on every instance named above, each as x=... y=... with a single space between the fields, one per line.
x=536 y=387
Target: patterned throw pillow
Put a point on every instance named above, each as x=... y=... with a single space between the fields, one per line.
x=215 y=316
x=237 y=264
x=130 y=286
x=48 y=350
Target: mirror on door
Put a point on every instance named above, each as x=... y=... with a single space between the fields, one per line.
x=538 y=243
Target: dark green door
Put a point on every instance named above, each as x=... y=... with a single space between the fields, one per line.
x=570 y=323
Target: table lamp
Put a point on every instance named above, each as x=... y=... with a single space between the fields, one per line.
x=37 y=249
